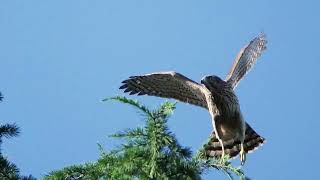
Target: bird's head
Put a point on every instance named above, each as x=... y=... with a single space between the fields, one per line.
x=213 y=82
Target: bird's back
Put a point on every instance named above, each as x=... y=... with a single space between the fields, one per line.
x=225 y=109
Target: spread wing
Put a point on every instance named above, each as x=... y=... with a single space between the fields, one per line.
x=246 y=59
x=168 y=85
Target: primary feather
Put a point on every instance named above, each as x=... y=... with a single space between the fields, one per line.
x=246 y=59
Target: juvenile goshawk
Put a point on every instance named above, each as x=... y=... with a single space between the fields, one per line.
x=231 y=135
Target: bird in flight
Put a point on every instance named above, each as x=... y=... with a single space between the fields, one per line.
x=231 y=134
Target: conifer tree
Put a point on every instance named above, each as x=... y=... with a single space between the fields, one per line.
x=149 y=152
x=8 y=170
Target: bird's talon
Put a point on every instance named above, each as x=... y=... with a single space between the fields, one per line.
x=221 y=161
x=242 y=155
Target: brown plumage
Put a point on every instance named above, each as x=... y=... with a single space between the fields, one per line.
x=252 y=141
x=231 y=134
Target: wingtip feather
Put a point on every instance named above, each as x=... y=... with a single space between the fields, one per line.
x=123 y=86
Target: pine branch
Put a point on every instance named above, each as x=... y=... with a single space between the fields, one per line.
x=134 y=103
x=129 y=133
x=86 y=171
x=223 y=165
x=8 y=170
x=9 y=130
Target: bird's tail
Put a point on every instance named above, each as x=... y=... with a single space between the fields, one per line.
x=232 y=148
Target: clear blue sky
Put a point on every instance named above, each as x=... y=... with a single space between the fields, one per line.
x=59 y=58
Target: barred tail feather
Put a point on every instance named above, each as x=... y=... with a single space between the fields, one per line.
x=232 y=148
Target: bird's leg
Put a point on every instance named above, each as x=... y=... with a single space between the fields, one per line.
x=222 y=155
x=242 y=155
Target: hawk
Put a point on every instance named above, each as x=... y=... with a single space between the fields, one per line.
x=231 y=134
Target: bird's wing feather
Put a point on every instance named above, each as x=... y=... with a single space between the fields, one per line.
x=168 y=85
x=246 y=59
